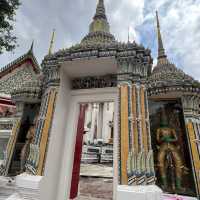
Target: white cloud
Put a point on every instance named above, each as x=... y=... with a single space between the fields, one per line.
x=25 y=28
x=126 y=14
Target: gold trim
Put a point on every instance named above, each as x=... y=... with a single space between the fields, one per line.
x=45 y=132
x=11 y=144
x=195 y=153
x=124 y=133
x=134 y=114
x=143 y=120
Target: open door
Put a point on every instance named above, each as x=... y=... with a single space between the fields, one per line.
x=92 y=175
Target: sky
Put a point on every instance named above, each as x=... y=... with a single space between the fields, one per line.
x=179 y=19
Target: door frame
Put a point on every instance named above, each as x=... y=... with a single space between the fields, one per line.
x=78 y=97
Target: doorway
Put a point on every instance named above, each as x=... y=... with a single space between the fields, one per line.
x=92 y=175
x=24 y=138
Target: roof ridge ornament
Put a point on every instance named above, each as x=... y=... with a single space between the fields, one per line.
x=31 y=48
x=128 y=34
x=52 y=42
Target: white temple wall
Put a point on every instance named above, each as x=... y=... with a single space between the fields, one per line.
x=56 y=141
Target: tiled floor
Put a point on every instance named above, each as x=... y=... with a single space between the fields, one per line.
x=95 y=189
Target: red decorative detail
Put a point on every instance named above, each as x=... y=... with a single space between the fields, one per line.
x=6 y=101
x=7 y=107
x=78 y=153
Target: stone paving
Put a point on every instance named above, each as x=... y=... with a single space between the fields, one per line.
x=97 y=170
x=91 y=188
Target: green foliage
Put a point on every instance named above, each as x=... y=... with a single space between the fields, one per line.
x=7 y=12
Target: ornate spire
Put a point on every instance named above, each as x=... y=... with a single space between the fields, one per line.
x=100 y=23
x=99 y=31
x=52 y=42
x=100 y=11
x=165 y=72
x=161 y=50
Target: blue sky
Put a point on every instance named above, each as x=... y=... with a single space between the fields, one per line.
x=180 y=24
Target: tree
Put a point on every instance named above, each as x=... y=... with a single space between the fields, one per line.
x=7 y=12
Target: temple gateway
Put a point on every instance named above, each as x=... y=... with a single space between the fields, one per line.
x=95 y=121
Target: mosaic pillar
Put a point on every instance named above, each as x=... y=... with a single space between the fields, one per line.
x=43 y=139
x=136 y=155
x=191 y=111
x=38 y=150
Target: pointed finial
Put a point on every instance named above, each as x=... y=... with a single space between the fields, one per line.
x=100 y=11
x=128 y=34
x=31 y=48
x=161 y=50
x=52 y=42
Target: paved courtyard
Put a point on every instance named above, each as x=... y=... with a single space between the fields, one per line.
x=91 y=188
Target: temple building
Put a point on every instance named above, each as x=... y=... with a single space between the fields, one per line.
x=97 y=121
x=12 y=77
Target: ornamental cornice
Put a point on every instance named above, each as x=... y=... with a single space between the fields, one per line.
x=156 y=90
x=116 y=49
x=95 y=82
x=98 y=37
x=134 y=57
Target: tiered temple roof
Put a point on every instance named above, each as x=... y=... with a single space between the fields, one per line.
x=166 y=74
x=99 y=42
x=29 y=55
x=13 y=75
x=99 y=31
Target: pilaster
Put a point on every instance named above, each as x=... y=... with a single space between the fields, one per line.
x=136 y=164
x=191 y=111
x=38 y=150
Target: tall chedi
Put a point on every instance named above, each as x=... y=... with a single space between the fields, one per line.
x=171 y=82
x=162 y=58
x=164 y=66
x=99 y=30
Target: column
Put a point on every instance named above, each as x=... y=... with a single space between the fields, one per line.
x=108 y=113
x=191 y=111
x=124 y=133
x=88 y=123
x=92 y=134
x=136 y=163
x=137 y=166
x=100 y=121
x=38 y=150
